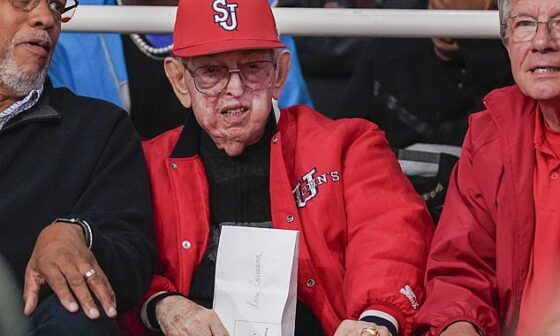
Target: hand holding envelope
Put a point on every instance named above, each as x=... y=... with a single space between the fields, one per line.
x=179 y=316
x=352 y=327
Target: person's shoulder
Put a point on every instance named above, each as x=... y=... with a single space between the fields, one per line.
x=303 y=113
x=161 y=145
x=307 y=117
x=508 y=94
x=482 y=129
x=172 y=134
x=69 y=103
x=315 y=129
x=506 y=107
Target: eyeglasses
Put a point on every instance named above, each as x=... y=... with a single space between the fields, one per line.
x=522 y=28
x=62 y=10
x=211 y=80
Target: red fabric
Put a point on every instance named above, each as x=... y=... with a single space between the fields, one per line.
x=541 y=296
x=480 y=254
x=205 y=27
x=364 y=235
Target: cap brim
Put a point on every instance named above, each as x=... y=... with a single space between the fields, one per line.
x=214 y=47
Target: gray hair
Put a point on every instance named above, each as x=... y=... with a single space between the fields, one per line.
x=504 y=8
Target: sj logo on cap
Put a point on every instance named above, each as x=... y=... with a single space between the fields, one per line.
x=225 y=14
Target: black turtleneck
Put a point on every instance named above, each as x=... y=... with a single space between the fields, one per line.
x=239 y=195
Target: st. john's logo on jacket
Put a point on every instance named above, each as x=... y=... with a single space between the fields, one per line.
x=308 y=185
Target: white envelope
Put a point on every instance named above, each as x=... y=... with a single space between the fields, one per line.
x=256 y=281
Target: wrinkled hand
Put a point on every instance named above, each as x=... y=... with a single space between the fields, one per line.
x=179 y=316
x=61 y=259
x=461 y=328
x=461 y=4
x=354 y=328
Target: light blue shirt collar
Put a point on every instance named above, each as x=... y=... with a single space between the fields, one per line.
x=22 y=105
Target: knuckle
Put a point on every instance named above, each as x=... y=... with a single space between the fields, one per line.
x=87 y=302
x=44 y=265
x=111 y=297
x=199 y=317
x=176 y=320
x=56 y=281
x=210 y=315
x=345 y=323
x=98 y=279
x=76 y=282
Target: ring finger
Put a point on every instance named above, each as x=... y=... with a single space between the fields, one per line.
x=99 y=285
x=76 y=279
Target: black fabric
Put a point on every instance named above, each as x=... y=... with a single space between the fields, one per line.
x=155 y=108
x=239 y=195
x=432 y=188
x=307 y=323
x=382 y=322
x=401 y=85
x=328 y=63
x=189 y=140
x=52 y=319
x=70 y=156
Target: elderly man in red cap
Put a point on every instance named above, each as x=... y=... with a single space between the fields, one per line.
x=239 y=160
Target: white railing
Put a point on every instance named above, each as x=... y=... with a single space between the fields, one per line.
x=305 y=21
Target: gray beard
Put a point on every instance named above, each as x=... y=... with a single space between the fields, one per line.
x=17 y=81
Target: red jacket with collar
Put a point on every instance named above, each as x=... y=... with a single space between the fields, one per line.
x=364 y=231
x=480 y=254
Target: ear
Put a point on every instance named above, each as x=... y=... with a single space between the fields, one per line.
x=506 y=42
x=177 y=75
x=282 y=69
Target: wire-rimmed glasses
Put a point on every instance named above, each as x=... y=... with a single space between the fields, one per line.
x=521 y=28
x=211 y=80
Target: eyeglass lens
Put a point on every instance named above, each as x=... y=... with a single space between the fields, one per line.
x=62 y=10
x=69 y=10
x=213 y=79
x=524 y=28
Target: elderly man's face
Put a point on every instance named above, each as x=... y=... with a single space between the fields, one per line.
x=535 y=63
x=235 y=117
x=27 y=40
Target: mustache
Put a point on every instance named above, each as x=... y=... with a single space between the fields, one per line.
x=36 y=36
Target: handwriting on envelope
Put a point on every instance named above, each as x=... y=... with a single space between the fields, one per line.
x=257 y=329
x=256 y=281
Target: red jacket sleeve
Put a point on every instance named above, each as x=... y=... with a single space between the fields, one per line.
x=389 y=232
x=460 y=276
x=131 y=321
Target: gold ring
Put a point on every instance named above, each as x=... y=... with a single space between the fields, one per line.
x=90 y=274
x=371 y=331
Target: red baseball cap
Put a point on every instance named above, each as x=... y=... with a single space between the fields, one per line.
x=204 y=27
